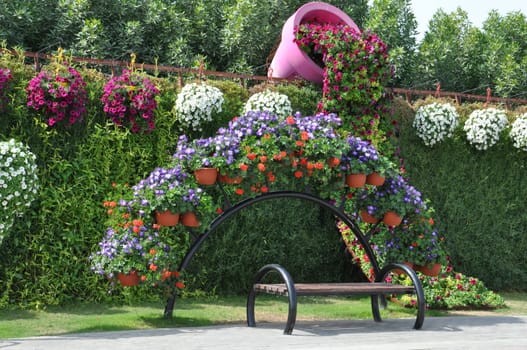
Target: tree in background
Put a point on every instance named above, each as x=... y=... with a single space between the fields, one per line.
x=439 y=52
x=394 y=22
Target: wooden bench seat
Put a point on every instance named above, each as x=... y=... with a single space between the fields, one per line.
x=378 y=288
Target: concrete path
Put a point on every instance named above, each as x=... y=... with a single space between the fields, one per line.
x=457 y=332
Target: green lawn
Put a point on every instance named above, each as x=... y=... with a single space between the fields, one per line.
x=16 y=323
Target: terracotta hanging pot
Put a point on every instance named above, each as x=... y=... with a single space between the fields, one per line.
x=366 y=217
x=226 y=179
x=430 y=269
x=206 y=176
x=167 y=218
x=391 y=218
x=128 y=279
x=190 y=219
x=356 y=180
x=375 y=179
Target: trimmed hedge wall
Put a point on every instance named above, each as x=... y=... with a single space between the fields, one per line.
x=480 y=198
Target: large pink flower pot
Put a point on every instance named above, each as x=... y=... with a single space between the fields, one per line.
x=289 y=60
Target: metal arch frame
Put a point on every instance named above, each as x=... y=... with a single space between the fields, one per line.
x=231 y=211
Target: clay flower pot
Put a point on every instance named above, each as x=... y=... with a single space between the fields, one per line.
x=375 y=179
x=167 y=218
x=391 y=218
x=366 y=217
x=356 y=180
x=206 y=176
x=190 y=219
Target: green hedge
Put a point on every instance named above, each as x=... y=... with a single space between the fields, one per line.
x=480 y=201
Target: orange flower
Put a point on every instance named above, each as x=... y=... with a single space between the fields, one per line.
x=251 y=156
x=126 y=215
x=264 y=189
x=180 y=285
x=263 y=159
x=219 y=210
x=176 y=274
x=165 y=274
x=261 y=167
x=136 y=229
x=239 y=191
x=298 y=174
x=143 y=278
x=290 y=120
x=319 y=165
x=267 y=136
x=244 y=167
x=156 y=226
x=152 y=252
x=304 y=135
x=109 y=211
x=303 y=161
x=299 y=143
x=310 y=166
x=431 y=221
x=137 y=222
x=152 y=267
x=277 y=157
x=271 y=177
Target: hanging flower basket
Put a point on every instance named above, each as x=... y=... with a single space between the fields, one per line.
x=226 y=179
x=429 y=270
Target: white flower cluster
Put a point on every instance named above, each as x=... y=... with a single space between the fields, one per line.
x=435 y=122
x=269 y=101
x=518 y=132
x=195 y=105
x=484 y=126
x=18 y=182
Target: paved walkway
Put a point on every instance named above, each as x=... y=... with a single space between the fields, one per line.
x=457 y=332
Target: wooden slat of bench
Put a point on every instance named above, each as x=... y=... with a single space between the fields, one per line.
x=363 y=288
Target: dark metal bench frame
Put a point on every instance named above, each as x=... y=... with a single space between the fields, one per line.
x=376 y=289
x=338 y=211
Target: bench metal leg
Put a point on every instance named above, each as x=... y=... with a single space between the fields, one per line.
x=420 y=295
x=291 y=294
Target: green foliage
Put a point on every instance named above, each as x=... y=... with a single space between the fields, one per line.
x=304 y=99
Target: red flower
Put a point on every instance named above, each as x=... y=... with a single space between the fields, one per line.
x=261 y=167
x=244 y=167
x=239 y=191
x=180 y=285
x=290 y=120
x=298 y=174
x=251 y=156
